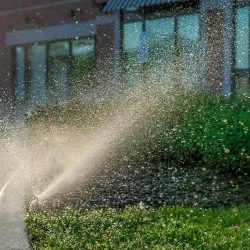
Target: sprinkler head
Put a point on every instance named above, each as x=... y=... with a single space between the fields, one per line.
x=34 y=201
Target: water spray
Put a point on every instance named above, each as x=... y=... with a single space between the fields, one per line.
x=2 y=191
x=101 y=142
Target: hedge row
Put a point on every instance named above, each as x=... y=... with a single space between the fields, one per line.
x=184 y=125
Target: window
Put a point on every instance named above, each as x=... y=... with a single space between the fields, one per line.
x=83 y=68
x=37 y=75
x=55 y=72
x=189 y=48
x=241 y=65
x=58 y=71
x=242 y=38
x=173 y=50
x=161 y=49
x=131 y=68
x=20 y=73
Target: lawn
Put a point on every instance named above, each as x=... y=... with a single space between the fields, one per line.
x=140 y=228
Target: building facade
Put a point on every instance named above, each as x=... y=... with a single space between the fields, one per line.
x=53 y=51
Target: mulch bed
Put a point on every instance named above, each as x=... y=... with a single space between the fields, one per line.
x=156 y=184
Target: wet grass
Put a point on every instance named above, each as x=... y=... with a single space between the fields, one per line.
x=141 y=228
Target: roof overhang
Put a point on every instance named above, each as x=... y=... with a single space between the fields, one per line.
x=114 y=5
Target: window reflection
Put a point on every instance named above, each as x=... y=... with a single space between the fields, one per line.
x=174 y=50
x=58 y=72
x=132 y=33
x=131 y=68
x=37 y=74
x=82 y=75
x=242 y=38
x=83 y=47
x=242 y=85
x=59 y=48
x=242 y=66
x=189 y=49
x=20 y=73
x=161 y=49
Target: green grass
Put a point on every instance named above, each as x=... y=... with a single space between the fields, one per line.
x=134 y=228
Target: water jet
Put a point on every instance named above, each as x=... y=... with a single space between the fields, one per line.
x=2 y=191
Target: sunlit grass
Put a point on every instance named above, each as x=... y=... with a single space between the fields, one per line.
x=135 y=228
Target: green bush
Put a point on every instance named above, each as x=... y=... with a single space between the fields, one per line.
x=217 y=128
x=184 y=125
x=73 y=114
x=145 y=120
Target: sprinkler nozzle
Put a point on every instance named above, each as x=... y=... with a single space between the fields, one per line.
x=35 y=201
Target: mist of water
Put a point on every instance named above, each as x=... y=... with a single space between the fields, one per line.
x=60 y=156
x=96 y=148
x=3 y=189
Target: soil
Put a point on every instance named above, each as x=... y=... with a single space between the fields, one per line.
x=157 y=184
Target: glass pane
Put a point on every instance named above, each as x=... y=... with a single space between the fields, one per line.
x=59 y=48
x=242 y=38
x=132 y=33
x=83 y=68
x=241 y=3
x=37 y=74
x=188 y=26
x=20 y=72
x=83 y=47
x=188 y=63
x=131 y=68
x=161 y=49
x=242 y=85
x=58 y=72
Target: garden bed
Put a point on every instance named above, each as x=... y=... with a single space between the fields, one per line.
x=155 y=184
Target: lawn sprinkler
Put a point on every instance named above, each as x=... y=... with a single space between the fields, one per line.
x=35 y=201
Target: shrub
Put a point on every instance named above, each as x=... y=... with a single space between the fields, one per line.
x=184 y=125
x=217 y=128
